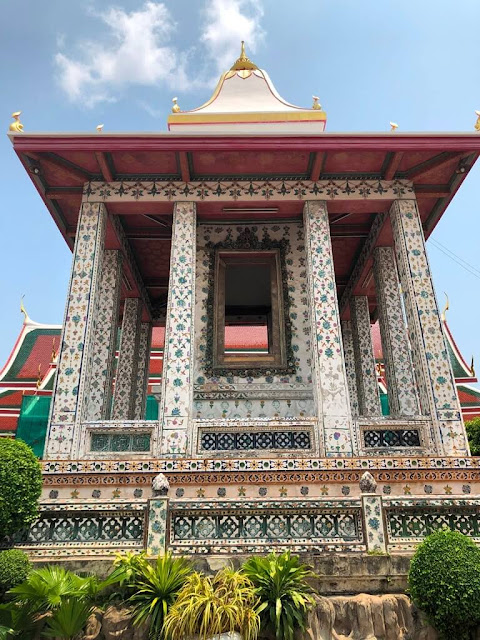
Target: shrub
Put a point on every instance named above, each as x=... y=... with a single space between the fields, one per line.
x=14 y=569
x=208 y=606
x=281 y=584
x=152 y=588
x=20 y=486
x=473 y=433
x=444 y=581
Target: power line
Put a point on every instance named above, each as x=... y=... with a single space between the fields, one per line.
x=439 y=244
x=474 y=272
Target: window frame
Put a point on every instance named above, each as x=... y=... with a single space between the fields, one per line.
x=277 y=355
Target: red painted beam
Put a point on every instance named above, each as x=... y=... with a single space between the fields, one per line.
x=324 y=142
x=317 y=166
x=432 y=163
x=432 y=190
x=184 y=167
x=63 y=192
x=393 y=165
x=59 y=163
x=104 y=166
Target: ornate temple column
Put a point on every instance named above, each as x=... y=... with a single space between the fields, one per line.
x=177 y=381
x=76 y=353
x=349 y=353
x=99 y=396
x=142 y=371
x=438 y=396
x=126 y=376
x=402 y=388
x=367 y=379
x=335 y=432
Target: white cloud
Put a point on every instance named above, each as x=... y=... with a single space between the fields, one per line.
x=137 y=49
x=227 y=22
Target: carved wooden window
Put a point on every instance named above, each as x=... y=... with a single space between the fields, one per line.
x=248 y=322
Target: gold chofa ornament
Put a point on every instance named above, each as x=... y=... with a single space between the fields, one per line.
x=175 y=108
x=243 y=63
x=16 y=125
x=477 y=123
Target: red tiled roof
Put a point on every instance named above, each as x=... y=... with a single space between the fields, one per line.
x=251 y=337
x=11 y=398
x=8 y=423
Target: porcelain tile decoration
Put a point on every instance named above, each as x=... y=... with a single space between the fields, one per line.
x=79 y=326
x=99 y=396
x=177 y=384
x=367 y=379
x=349 y=353
x=142 y=371
x=330 y=382
x=402 y=389
x=435 y=378
x=126 y=376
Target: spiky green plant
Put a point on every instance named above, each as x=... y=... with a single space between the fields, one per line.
x=208 y=606
x=285 y=595
x=154 y=588
x=68 y=620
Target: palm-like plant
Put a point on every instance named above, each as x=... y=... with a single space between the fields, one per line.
x=208 y=606
x=68 y=620
x=154 y=588
x=285 y=595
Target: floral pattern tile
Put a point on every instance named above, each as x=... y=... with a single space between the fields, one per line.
x=402 y=389
x=78 y=330
x=438 y=396
x=367 y=379
x=330 y=382
x=126 y=376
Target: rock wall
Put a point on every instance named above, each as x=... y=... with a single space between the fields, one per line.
x=360 y=617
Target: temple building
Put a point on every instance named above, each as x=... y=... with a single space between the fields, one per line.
x=254 y=251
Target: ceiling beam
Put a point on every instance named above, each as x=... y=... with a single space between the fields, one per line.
x=393 y=164
x=432 y=190
x=58 y=193
x=60 y=163
x=432 y=163
x=104 y=164
x=147 y=233
x=184 y=166
x=156 y=283
x=317 y=166
x=349 y=231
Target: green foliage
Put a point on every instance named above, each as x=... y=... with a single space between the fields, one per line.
x=53 y=599
x=444 y=581
x=473 y=433
x=208 y=606
x=20 y=486
x=14 y=569
x=285 y=595
x=152 y=587
x=69 y=619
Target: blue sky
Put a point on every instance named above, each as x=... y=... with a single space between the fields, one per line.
x=72 y=65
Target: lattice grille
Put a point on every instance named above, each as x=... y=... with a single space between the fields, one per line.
x=260 y=440
x=118 y=442
x=266 y=526
x=83 y=526
x=411 y=523
x=392 y=438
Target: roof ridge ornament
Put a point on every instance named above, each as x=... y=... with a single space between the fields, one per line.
x=24 y=311
x=16 y=125
x=446 y=308
x=243 y=63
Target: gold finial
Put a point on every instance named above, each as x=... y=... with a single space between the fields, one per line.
x=393 y=126
x=39 y=376
x=243 y=63
x=24 y=311
x=446 y=308
x=16 y=125
x=99 y=128
x=477 y=123
x=175 y=108
x=316 y=105
x=54 y=350
x=472 y=368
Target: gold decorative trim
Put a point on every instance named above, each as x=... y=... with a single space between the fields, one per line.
x=232 y=118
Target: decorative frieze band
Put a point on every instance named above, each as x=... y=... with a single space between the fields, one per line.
x=249 y=190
